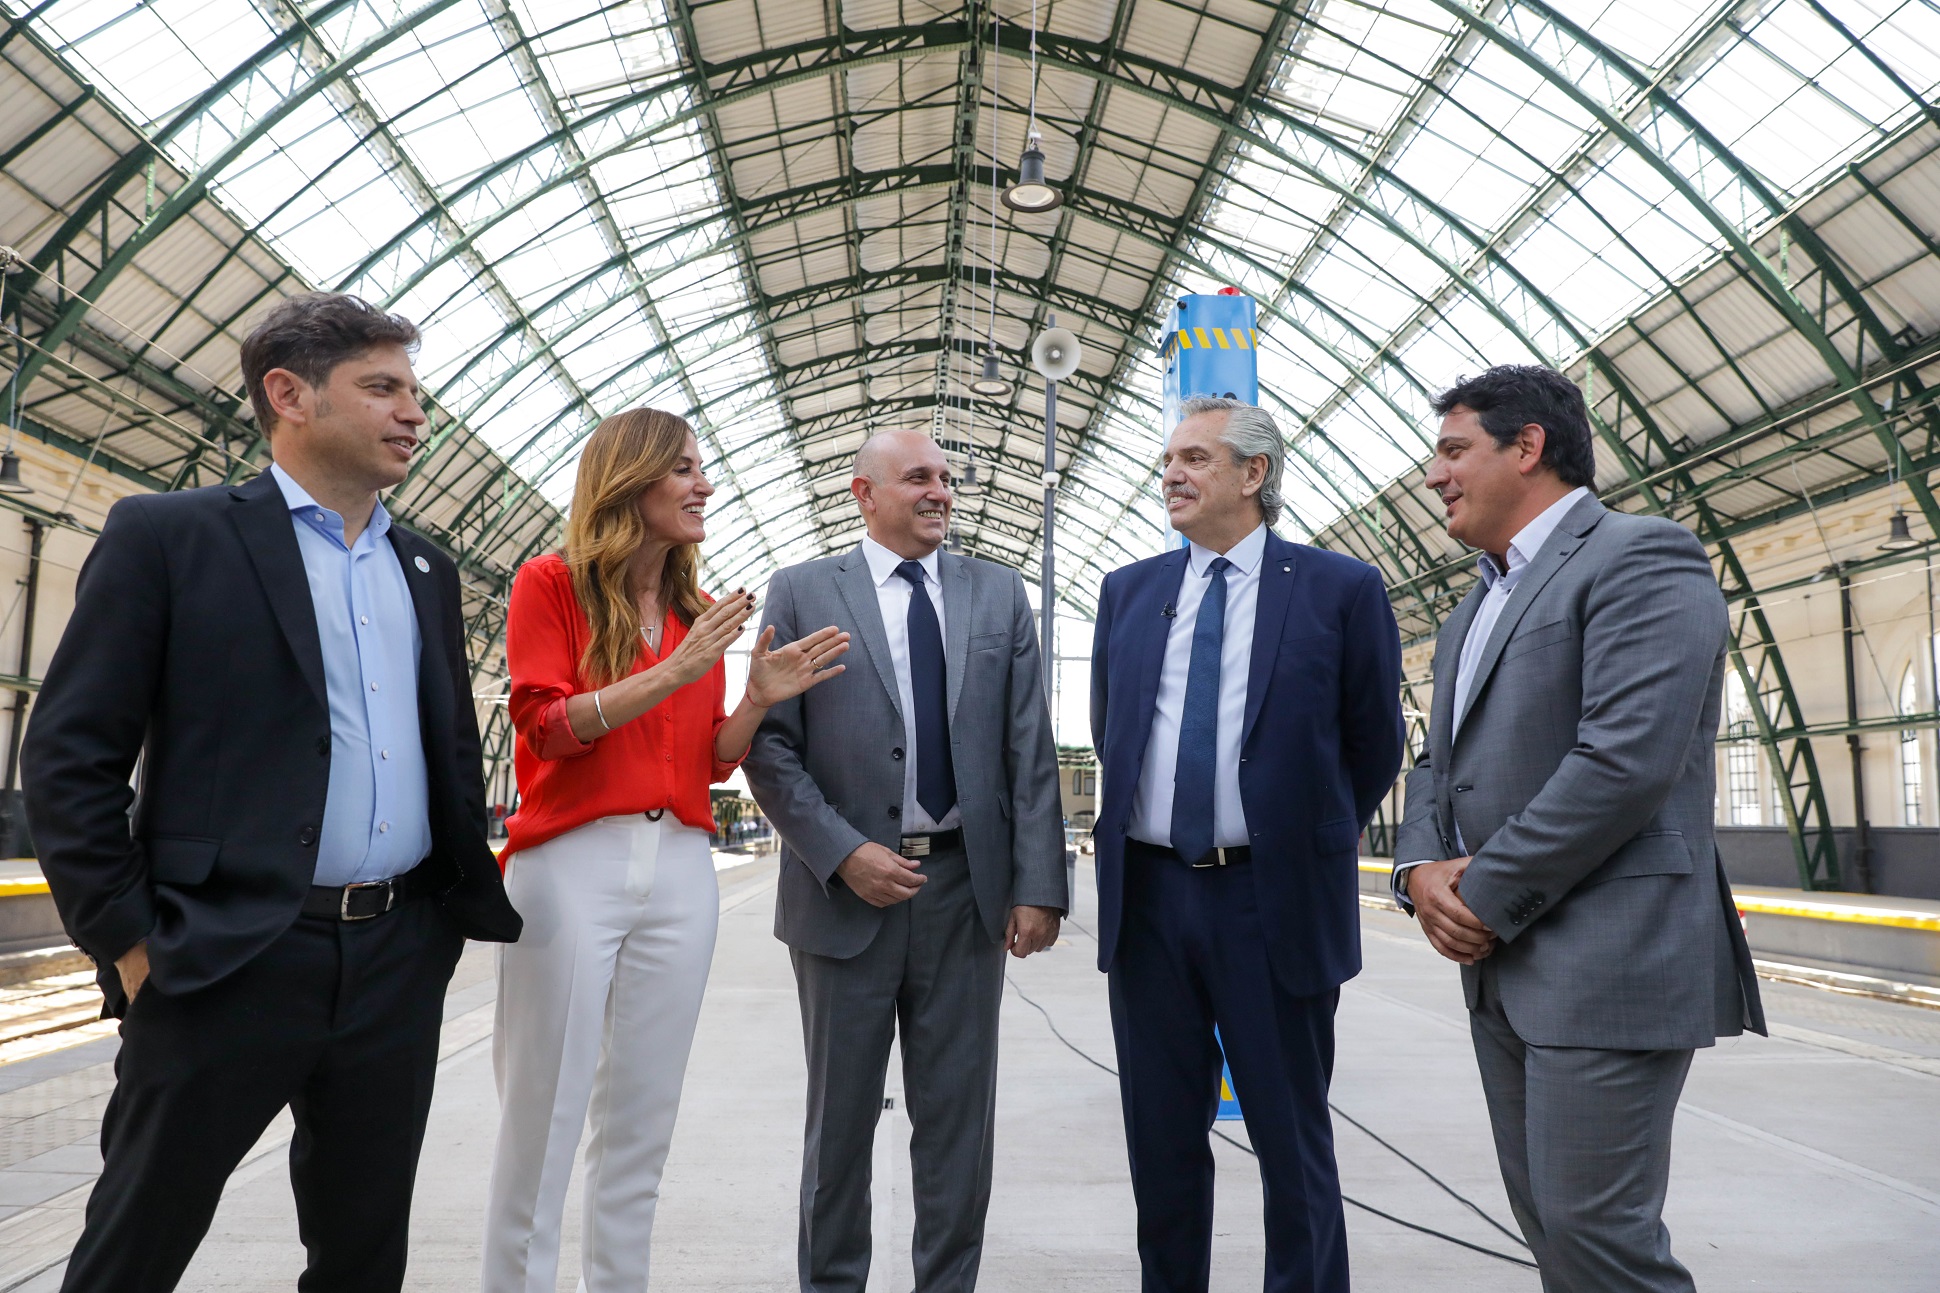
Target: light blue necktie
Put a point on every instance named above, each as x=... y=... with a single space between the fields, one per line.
x=1192 y=781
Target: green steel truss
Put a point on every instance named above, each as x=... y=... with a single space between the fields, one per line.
x=789 y=240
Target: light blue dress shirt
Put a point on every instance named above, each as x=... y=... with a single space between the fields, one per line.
x=377 y=818
x=1152 y=801
x=1499 y=584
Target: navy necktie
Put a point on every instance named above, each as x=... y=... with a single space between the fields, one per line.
x=1192 y=781
x=936 y=780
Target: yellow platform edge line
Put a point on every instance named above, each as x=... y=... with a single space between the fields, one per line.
x=1800 y=908
x=1810 y=909
x=22 y=888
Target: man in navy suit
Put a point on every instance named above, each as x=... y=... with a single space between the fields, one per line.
x=1245 y=705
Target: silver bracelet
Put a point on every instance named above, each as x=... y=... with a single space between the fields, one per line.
x=601 y=710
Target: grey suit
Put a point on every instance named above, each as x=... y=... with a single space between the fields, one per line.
x=827 y=768
x=1581 y=779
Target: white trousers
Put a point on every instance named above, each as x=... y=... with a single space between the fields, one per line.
x=597 y=1003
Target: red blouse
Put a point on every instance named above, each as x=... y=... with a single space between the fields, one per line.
x=662 y=759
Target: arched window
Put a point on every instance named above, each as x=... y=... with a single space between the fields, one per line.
x=1912 y=779
x=1741 y=756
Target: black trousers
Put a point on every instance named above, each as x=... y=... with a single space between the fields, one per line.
x=1191 y=955
x=336 y=1020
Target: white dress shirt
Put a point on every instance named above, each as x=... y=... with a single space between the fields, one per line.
x=892 y=598
x=1152 y=801
x=1501 y=585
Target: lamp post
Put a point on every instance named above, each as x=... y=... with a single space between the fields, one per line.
x=1055 y=355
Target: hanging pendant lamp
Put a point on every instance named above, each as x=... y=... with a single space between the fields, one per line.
x=1031 y=194
x=991 y=384
x=10 y=482
x=1899 y=536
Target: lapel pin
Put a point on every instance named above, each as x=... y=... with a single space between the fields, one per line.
x=1286 y=570
x=421 y=564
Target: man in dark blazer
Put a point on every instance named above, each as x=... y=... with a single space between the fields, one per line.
x=1246 y=711
x=1556 y=838
x=277 y=921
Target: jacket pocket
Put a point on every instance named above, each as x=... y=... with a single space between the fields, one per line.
x=1537 y=638
x=988 y=641
x=1655 y=853
x=1003 y=804
x=1341 y=835
x=181 y=860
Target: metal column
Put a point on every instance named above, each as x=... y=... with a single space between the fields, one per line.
x=1862 y=842
x=15 y=841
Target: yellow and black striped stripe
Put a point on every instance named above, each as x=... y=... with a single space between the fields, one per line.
x=1197 y=338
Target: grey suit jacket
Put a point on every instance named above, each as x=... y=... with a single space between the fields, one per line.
x=1583 y=781
x=827 y=767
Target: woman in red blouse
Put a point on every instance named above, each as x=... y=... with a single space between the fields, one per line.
x=617 y=695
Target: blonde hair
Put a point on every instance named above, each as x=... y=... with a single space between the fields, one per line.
x=626 y=453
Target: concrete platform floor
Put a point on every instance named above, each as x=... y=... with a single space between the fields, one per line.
x=1809 y=1161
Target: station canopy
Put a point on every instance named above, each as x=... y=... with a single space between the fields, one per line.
x=775 y=217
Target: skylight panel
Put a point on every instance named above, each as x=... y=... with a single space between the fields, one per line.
x=1582 y=267
x=1641 y=30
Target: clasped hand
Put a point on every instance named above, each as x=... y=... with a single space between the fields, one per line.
x=1452 y=929
x=883 y=878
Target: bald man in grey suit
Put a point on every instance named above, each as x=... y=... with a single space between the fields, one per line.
x=1557 y=835
x=917 y=801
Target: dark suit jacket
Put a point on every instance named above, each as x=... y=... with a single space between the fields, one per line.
x=1321 y=748
x=193 y=644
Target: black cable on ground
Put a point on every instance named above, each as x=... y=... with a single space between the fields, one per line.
x=1459 y=1197
x=1512 y=1259
x=1450 y=1190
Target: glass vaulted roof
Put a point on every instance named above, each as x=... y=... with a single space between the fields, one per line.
x=775 y=217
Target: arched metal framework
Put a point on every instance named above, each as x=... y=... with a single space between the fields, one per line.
x=774 y=216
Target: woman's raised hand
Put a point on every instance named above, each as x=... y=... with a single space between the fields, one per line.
x=774 y=676
x=711 y=633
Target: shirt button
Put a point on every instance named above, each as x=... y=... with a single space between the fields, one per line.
x=363 y=619
x=373 y=686
x=319 y=516
x=383 y=827
x=384 y=753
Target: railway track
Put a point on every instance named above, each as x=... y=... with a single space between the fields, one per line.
x=50 y=1011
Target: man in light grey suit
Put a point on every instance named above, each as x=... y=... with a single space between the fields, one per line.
x=917 y=801
x=1557 y=834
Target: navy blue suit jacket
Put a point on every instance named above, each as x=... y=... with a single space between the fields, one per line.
x=1322 y=742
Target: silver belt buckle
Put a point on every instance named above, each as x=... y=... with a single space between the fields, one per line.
x=1216 y=858
x=914 y=846
x=390 y=898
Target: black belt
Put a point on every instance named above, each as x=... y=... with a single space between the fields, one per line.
x=369 y=898
x=1234 y=856
x=921 y=846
